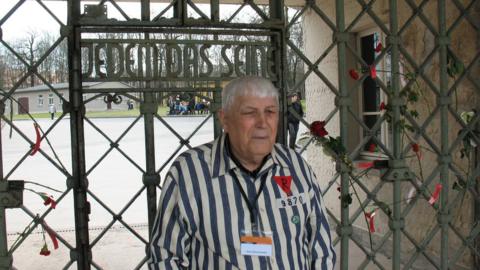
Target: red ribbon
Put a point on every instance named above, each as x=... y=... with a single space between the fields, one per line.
x=53 y=236
x=284 y=182
x=364 y=165
x=48 y=199
x=370 y=220
x=436 y=194
x=382 y=106
x=36 y=147
x=373 y=72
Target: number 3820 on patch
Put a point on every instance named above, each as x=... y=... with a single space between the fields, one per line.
x=291 y=200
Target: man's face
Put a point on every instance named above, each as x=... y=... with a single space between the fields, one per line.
x=251 y=123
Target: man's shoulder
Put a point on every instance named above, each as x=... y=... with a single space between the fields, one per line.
x=195 y=162
x=288 y=155
x=201 y=153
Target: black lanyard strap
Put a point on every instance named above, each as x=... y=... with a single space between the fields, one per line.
x=252 y=208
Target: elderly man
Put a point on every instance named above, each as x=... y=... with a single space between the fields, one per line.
x=242 y=201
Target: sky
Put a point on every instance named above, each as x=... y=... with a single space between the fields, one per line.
x=32 y=17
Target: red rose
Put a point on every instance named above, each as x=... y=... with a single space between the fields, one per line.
x=354 y=74
x=372 y=147
x=44 y=251
x=415 y=147
x=317 y=128
x=382 y=106
x=373 y=72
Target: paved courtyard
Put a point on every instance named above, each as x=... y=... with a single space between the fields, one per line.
x=113 y=179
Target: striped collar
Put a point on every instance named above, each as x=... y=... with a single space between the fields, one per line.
x=222 y=162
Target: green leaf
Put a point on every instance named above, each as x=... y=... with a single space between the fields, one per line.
x=335 y=145
x=459 y=185
x=409 y=128
x=414 y=113
x=385 y=207
x=410 y=76
x=388 y=117
x=459 y=67
x=346 y=200
x=467 y=116
x=412 y=96
x=456 y=187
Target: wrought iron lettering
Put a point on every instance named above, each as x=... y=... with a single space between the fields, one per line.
x=137 y=60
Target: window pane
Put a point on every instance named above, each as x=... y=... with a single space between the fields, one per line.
x=371 y=96
x=371 y=93
x=370 y=121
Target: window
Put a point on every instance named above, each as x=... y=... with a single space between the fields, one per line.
x=60 y=100
x=372 y=96
x=50 y=99
x=40 y=101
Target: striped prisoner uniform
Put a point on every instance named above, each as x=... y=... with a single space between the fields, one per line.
x=202 y=213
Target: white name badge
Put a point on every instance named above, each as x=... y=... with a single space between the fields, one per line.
x=256 y=245
x=256 y=249
x=291 y=200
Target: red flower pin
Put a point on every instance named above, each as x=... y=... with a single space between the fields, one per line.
x=317 y=128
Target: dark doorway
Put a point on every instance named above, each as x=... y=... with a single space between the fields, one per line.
x=23 y=105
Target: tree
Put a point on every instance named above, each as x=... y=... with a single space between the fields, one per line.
x=28 y=50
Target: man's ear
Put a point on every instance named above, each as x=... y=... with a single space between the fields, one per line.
x=221 y=116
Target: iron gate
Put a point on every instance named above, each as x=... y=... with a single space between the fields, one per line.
x=165 y=51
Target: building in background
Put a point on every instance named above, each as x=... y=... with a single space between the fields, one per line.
x=38 y=99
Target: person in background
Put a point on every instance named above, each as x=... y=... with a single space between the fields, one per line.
x=293 y=122
x=242 y=201
x=52 y=110
x=171 y=105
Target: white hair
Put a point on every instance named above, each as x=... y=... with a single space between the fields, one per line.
x=247 y=85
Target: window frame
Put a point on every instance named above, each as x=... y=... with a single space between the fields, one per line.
x=51 y=100
x=40 y=100
x=385 y=129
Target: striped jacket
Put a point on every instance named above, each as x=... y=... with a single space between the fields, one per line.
x=202 y=214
